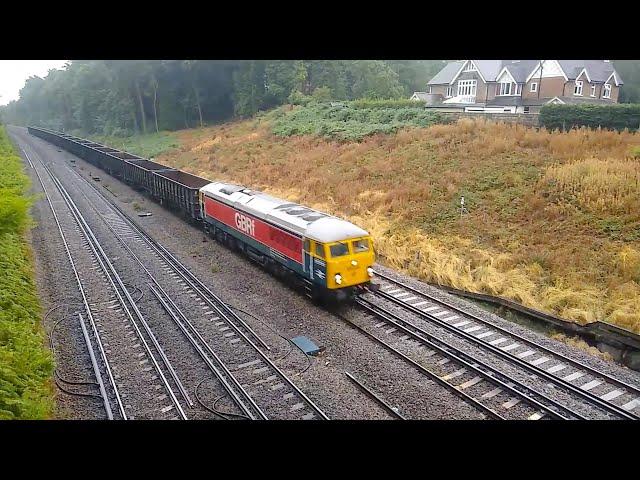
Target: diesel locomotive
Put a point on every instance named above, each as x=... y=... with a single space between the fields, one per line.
x=329 y=257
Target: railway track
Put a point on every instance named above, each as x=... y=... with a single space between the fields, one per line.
x=232 y=351
x=607 y=394
x=494 y=393
x=123 y=358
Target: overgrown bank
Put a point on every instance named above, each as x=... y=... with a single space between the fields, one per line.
x=26 y=364
x=551 y=219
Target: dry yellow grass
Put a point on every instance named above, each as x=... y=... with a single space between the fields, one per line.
x=577 y=342
x=553 y=219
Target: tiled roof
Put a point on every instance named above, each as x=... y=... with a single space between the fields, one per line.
x=598 y=70
x=446 y=74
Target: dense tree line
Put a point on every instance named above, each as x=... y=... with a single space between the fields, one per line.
x=121 y=97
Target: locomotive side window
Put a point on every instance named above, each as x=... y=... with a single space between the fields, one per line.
x=339 y=249
x=307 y=246
x=320 y=250
x=361 y=245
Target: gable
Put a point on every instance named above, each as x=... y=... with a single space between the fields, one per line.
x=583 y=74
x=464 y=67
x=550 y=68
x=505 y=77
x=615 y=78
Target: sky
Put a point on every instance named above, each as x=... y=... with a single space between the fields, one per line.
x=13 y=74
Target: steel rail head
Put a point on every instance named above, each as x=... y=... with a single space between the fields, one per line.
x=473 y=363
x=173 y=310
x=376 y=397
x=96 y=369
x=449 y=386
x=604 y=405
x=114 y=278
x=610 y=379
x=81 y=289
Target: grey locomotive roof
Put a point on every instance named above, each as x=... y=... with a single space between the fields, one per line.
x=290 y=216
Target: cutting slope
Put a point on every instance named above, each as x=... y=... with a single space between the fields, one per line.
x=552 y=219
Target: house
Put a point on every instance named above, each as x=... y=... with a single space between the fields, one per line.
x=520 y=86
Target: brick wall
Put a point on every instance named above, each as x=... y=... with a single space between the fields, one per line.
x=530 y=119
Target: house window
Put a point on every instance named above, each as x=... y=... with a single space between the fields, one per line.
x=518 y=90
x=526 y=109
x=533 y=87
x=593 y=90
x=607 y=91
x=504 y=89
x=429 y=89
x=578 y=88
x=470 y=67
x=467 y=87
x=449 y=91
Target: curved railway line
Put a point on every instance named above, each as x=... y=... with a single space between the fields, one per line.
x=614 y=397
x=258 y=388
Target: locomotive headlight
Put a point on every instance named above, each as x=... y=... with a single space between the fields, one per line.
x=370 y=271
x=338 y=278
x=354 y=263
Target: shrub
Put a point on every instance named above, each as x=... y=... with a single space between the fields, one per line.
x=375 y=103
x=298 y=98
x=348 y=123
x=613 y=117
x=322 y=94
x=25 y=364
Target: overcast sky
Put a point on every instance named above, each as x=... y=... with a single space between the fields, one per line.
x=13 y=74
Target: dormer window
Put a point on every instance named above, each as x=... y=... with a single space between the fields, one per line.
x=470 y=67
x=607 y=91
x=578 y=88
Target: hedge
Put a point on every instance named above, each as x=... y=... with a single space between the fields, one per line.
x=613 y=117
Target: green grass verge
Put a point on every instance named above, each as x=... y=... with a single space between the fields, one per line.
x=148 y=146
x=26 y=364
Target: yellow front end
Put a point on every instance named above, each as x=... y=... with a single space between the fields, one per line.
x=349 y=262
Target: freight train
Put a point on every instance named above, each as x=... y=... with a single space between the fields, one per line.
x=330 y=258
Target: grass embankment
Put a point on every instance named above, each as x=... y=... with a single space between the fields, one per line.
x=26 y=364
x=147 y=146
x=553 y=218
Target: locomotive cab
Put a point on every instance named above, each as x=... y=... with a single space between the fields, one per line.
x=340 y=266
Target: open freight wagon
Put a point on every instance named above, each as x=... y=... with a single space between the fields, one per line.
x=179 y=190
